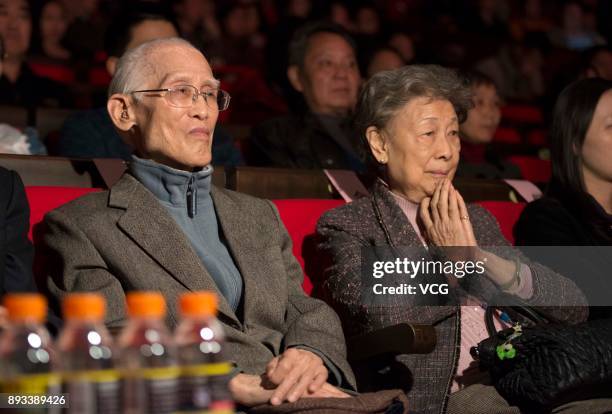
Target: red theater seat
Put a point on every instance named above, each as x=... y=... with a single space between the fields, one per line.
x=532 y=168
x=44 y=199
x=59 y=73
x=507 y=135
x=300 y=216
x=522 y=114
x=506 y=213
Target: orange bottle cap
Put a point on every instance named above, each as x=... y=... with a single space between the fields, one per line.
x=146 y=304
x=201 y=303
x=26 y=306
x=84 y=306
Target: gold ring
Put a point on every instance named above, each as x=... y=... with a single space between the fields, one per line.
x=465 y=218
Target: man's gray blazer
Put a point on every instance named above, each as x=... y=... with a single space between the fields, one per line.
x=123 y=239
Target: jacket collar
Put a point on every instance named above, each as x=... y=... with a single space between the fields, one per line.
x=394 y=223
x=150 y=226
x=169 y=185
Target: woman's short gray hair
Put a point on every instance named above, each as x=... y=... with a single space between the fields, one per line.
x=387 y=92
x=134 y=67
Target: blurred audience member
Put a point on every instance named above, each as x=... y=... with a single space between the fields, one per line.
x=323 y=68
x=530 y=20
x=49 y=57
x=52 y=27
x=384 y=58
x=339 y=14
x=516 y=70
x=91 y=134
x=12 y=140
x=577 y=209
x=294 y=14
x=573 y=33
x=486 y=27
x=197 y=22
x=367 y=31
x=16 y=252
x=18 y=84
x=404 y=44
x=242 y=41
x=478 y=159
x=86 y=27
x=598 y=63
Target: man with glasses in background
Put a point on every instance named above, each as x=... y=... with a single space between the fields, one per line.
x=165 y=227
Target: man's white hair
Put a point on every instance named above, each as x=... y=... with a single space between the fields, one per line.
x=134 y=67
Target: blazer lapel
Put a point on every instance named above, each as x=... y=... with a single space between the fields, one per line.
x=398 y=230
x=151 y=227
x=241 y=238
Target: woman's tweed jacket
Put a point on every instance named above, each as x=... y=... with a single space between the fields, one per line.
x=378 y=221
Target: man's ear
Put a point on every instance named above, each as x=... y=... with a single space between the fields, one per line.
x=121 y=112
x=111 y=65
x=293 y=73
x=378 y=144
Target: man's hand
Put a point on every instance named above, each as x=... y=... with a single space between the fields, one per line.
x=327 y=391
x=295 y=373
x=250 y=390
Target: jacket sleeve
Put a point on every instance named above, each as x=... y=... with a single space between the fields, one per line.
x=76 y=266
x=310 y=323
x=549 y=288
x=19 y=252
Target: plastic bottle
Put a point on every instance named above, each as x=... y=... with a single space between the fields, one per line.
x=204 y=369
x=27 y=355
x=147 y=357
x=87 y=356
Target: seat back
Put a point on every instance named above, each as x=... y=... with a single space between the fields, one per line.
x=507 y=213
x=300 y=217
x=532 y=168
x=44 y=199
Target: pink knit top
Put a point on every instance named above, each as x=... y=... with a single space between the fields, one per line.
x=473 y=329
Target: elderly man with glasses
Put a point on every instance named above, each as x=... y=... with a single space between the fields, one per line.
x=165 y=227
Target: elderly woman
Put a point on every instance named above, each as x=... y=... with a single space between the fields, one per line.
x=410 y=120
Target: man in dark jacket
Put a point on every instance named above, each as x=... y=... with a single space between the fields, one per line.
x=16 y=252
x=323 y=69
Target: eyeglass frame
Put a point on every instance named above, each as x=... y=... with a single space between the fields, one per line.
x=194 y=96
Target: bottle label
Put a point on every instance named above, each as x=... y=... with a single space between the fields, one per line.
x=93 y=391
x=204 y=388
x=41 y=384
x=151 y=390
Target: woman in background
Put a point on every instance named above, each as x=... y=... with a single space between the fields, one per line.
x=577 y=209
x=478 y=159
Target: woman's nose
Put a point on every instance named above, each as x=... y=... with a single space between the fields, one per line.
x=443 y=148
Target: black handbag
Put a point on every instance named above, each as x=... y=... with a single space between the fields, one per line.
x=541 y=364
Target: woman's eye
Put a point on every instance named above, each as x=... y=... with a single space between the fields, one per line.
x=454 y=132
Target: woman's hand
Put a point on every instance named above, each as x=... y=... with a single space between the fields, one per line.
x=445 y=217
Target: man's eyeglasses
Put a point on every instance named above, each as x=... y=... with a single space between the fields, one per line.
x=184 y=96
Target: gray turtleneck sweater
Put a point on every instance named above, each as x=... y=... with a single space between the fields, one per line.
x=186 y=196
